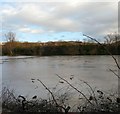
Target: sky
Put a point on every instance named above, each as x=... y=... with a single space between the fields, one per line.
x=58 y=20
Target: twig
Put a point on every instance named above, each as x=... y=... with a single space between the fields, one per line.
x=91 y=90
x=105 y=49
x=114 y=73
x=65 y=109
x=74 y=88
x=48 y=91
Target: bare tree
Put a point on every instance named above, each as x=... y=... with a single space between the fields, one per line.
x=112 y=38
x=10 y=36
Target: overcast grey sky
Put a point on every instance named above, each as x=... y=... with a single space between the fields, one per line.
x=51 y=21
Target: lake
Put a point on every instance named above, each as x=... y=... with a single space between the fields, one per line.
x=18 y=71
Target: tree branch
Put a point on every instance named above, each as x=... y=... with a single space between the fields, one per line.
x=105 y=49
x=114 y=73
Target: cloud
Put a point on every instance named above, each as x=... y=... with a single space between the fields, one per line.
x=29 y=30
x=93 y=18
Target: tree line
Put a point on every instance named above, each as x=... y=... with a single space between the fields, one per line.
x=13 y=47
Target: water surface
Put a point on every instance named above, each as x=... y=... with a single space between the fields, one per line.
x=18 y=71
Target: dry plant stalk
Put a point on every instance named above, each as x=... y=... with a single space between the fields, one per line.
x=65 y=109
x=75 y=89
